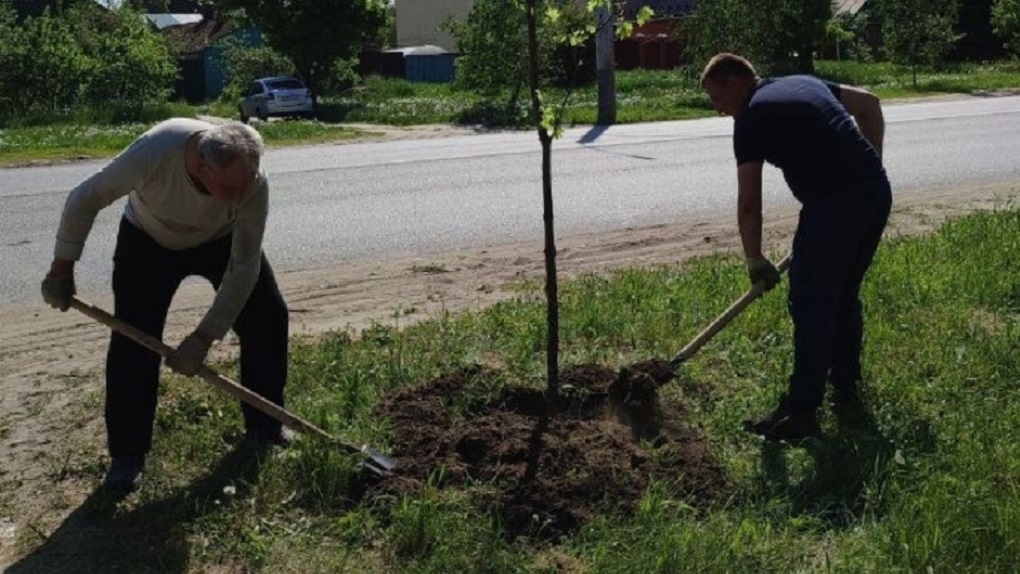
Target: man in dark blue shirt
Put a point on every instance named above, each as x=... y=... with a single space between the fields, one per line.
x=827 y=140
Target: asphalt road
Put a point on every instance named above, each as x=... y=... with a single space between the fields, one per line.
x=336 y=203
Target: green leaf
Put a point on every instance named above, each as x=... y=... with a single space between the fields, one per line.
x=548 y=122
x=644 y=15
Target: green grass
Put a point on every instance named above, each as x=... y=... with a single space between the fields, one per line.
x=933 y=486
x=642 y=96
x=892 y=81
x=69 y=141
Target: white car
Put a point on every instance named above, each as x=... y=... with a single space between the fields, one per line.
x=275 y=97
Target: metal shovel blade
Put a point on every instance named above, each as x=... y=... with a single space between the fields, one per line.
x=387 y=463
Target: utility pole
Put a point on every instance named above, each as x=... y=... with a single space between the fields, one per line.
x=605 y=72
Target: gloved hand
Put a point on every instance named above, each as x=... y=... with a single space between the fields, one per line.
x=761 y=269
x=58 y=288
x=190 y=354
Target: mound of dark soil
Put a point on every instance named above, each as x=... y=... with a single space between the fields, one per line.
x=545 y=477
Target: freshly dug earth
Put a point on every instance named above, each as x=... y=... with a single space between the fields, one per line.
x=545 y=477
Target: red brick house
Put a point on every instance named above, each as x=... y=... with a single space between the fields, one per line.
x=655 y=45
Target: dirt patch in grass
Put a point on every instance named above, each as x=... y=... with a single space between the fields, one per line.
x=545 y=477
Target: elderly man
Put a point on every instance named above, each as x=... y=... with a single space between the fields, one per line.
x=197 y=205
x=827 y=140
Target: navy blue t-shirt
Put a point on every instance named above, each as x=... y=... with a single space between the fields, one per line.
x=798 y=124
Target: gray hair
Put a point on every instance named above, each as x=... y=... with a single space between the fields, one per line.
x=230 y=141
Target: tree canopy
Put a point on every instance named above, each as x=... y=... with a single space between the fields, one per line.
x=777 y=35
x=1006 y=23
x=81 y=54
x=315 y=34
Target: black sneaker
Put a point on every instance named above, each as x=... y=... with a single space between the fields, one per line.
x=787 y=422
x=125 y=474
x=279 y=437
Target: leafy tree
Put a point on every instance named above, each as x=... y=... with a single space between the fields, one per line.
x=918 y=32
x=129 y=64
x=147 y=6
x=1006 y=23
x=494 y=35
x=804 y=25
x=11 y=47
x=81 y=55
x=43 y=65
x=779 y=36
x=548 y=122
x=315 y=34
x=490 y=42
x=387 y=35
x=245 y=64
x=849 y=33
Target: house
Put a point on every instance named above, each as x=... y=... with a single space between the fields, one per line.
x=655 y=44
x=851 y=7
x=199 y=47
x=419 y=22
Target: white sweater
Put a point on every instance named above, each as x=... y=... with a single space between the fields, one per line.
x=164 y=203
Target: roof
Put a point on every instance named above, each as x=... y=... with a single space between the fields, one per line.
x=847 y=6
x=162 y=21
x=660 y=8
x=424 y=50
x=195 y=37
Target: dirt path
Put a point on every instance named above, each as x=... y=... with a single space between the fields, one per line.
x=51 y=362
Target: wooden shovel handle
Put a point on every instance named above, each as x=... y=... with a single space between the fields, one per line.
x=728 y=315
x=217 y=380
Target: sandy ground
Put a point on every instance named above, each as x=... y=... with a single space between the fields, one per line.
x=51 y=362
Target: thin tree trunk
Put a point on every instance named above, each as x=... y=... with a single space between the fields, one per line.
x=551 y=291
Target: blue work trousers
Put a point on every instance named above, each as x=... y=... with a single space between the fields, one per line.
x=145 y=277
x=836 y=239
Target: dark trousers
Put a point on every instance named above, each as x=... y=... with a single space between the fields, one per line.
x=145 y=278
x=833 y=247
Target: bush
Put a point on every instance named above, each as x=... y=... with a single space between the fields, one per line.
x=85 y=57
x=1006 y=23
x=492 y=44
x=246 y=63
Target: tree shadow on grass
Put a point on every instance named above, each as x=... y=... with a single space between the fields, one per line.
x=99 y=536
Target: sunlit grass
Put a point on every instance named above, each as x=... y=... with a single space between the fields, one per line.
x=642 y=96
x=934 y=485
x=889 y=80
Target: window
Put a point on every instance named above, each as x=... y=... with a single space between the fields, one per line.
x=285 y=84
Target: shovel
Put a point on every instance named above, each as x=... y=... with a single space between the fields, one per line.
x=377 y=462
x=724 y=319
x=632 y=396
